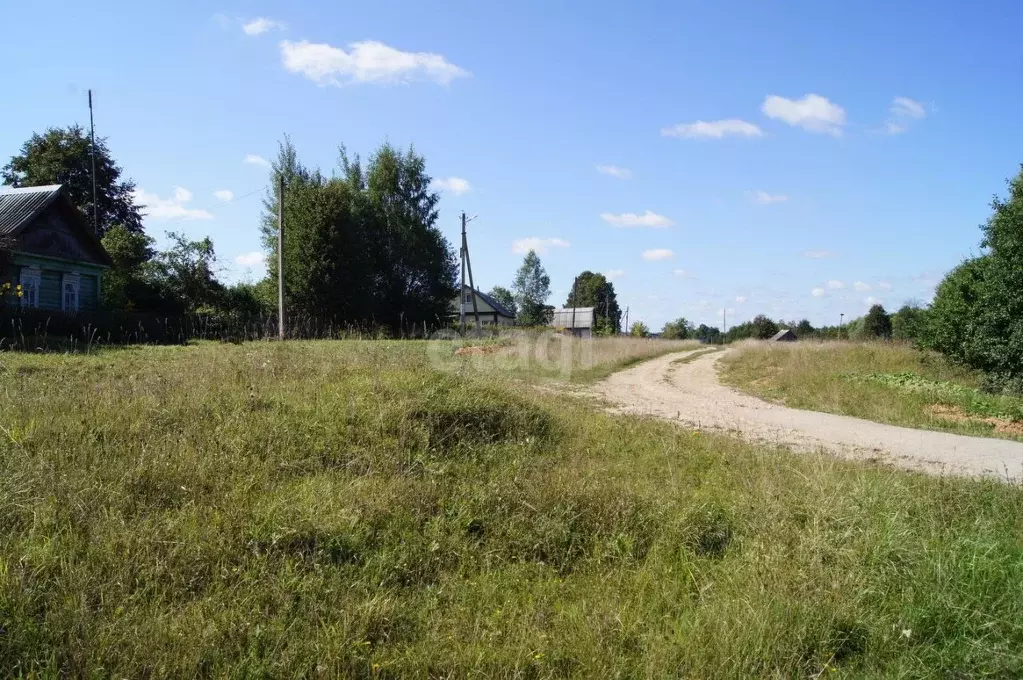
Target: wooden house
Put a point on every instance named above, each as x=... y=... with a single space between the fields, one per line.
x=51 y=250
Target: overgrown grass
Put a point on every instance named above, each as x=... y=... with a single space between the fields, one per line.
x=884 y=382
x=544 y=355
x=346 y=510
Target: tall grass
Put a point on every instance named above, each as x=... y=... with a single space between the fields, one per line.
x=874 y=380
x=345 y=509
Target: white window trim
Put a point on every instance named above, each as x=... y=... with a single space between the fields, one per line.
x=31 y=279
x=76 y=280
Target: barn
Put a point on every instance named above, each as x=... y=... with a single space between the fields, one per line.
x=784 y=335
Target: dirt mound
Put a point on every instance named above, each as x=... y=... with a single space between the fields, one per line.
x=477 y=350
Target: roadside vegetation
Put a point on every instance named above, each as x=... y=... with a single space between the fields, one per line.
x=884 y=382
x=349 y=509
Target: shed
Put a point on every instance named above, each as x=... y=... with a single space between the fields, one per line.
x=784 y=335
x=576 y=320
x=54 y=254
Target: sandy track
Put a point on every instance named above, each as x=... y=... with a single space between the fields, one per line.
x=691 y=394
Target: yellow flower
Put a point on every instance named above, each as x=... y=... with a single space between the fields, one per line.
x=20 y=293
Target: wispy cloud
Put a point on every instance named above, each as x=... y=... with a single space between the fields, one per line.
x=454 y=185
x=870 y=301
x=540 y=245
x=861 y=287
x=834 y=284
x=764 y=198
x=655 y=254
x=741 y=299
x=813 y=113
x=884 y=285
x=614 y=171
x=261 y=25
x=627 y=220
x=818 y=254
x=170 y=208
x=253 y=159
x=224 y=195
x=684 y=273
x=902 y=112
x=716 y=129
x=818 y=292
x=366 y=62
x=612 y=274
x=253 y=259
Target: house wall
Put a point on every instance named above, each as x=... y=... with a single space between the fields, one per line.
x=51 y=275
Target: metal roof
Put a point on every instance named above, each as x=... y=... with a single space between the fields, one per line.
x=501 y=309
x=18 y=207
x=783 y=333
x=582 y=317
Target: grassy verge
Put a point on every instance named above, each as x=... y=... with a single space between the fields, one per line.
x=347 y=510
x=887 y=383
x=689 y=358
x=547 y=356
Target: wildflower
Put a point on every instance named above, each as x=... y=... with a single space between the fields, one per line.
x=907 y=632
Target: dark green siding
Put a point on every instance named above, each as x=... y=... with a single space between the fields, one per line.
x=51 y=275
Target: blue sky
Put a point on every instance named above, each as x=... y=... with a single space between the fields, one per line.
x=799 y=159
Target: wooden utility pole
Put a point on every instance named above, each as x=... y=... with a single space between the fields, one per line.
x=95 y=205
x=626 y=320
x=280 y=256
x=466 y=262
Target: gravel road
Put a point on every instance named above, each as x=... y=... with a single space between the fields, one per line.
x=690 y=393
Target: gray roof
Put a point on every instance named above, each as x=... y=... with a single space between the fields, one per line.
x=501 y=309
x=18 y=207
x=785 y=332
x=582 y=317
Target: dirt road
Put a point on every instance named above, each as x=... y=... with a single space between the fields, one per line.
x=690 y=393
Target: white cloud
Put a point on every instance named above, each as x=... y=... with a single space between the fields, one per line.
x=884 y=285
x=455 y=185
x=870 y=301
x=835 y=285
x=764 y=198
x=904 y=107
x=903 y=110
x=818 y=292
x=741 y=299
x=861 y=287
x=647 y=219
x=818 y=254
x=684 y=274
x=614 y=171
x=813 y=113
x=169 y=208
x=612 y=274
x=540 y=245
x=368 y=61
x=253 y=259
x=261 y=25
x=713 y=129
x=658 y=254
x=224 y=195
x=253 y=159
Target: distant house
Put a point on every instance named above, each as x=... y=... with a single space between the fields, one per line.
x=54 y=254
x=785 y=335
x=577 y=320
x=490 y=310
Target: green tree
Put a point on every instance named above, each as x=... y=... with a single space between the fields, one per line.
x=909 y=322
x=186 y=271
x=532 y=288
x=594 y=290
x=127 y=285
x=954 y=323
x=708 y=334
x=763 y=327
x=505 y=297
x=804 y=329
x=877 y=323
x=362 y=246
x=63 y=156
x=639 y=330
x=679 y=329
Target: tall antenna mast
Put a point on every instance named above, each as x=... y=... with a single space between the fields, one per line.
x=92 y=134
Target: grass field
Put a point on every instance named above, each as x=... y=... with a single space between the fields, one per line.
x=347 y=509
x=884 y=382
